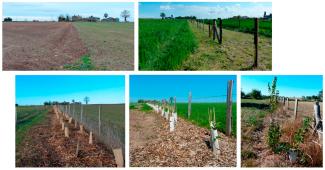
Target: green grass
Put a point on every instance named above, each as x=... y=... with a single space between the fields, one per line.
x=247 y=26
x=27 y=117
x=110 y=45
x=145 y=107
x=85 y=63
x=164 y=44
x=200 y=115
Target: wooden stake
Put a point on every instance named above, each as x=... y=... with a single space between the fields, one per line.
x=296 y=109
x=66 y=132
x=209 y=29
x=256 y=43
x=118 y=154
x=77 y=149
x=81 y=129
x=229 y=108
x=99 y=122
x=91 y=137
x=220 y=30
x=189 y=104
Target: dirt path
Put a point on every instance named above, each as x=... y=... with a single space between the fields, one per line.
x=46 y=146
x=40 y=46
x=151 y=144
x=235 y=53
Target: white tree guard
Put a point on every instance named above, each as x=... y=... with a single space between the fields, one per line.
x=171 y=124
x=215 y=142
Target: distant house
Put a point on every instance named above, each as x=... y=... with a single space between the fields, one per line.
x=93 y=19
x=265 y=16
x=110 y=19
x=76 y=18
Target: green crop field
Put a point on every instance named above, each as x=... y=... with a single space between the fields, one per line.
x=111 y=114
x=110 y=44
x=164 y=44
x=247 y=26
x=26 y=118
x=200 y=115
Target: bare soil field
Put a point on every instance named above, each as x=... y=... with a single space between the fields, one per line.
x=46 y=146
x=40 y=46
x=256 y=120
x=110 y=44
x=152 y=145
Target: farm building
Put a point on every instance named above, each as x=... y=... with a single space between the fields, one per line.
x=265 y=16
x=110 y=19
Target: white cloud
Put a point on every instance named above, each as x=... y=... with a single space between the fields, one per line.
x=166 y=7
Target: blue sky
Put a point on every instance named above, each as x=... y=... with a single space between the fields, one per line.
x=50 y=11
x=34 y=90
x=204 y=9
x=288 y=85
x=204 y=88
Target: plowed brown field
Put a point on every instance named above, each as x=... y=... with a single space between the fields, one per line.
x=40 y=46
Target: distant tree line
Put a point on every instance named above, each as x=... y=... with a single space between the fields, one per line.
x=7 y=19
x=163 y=16
x=257 y=94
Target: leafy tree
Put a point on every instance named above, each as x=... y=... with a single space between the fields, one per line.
x=105 y=15
x=320 y=95
x=125 y=14
x=86 y=99
x=256 y=94
x=162 y=15
x=273 y=93
x=7 y=19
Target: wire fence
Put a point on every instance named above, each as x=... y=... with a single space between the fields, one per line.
x=100 y=120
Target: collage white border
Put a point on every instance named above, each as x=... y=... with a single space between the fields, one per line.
x=292 y=52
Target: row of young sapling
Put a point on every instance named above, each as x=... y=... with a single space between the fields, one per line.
x=213 y=30
x=65 y=117
x=317 y=127
x=169 y=112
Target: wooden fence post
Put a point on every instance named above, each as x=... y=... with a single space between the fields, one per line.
x=220 y=30
x=317 y=114
x=214 y=29
x=296 y=109
x=81 y=114
x=229 y=108
x=287 y=103
x=99 y=122
x=209 y=29
x=256 y=43
x=189 y=105
x=175 y=108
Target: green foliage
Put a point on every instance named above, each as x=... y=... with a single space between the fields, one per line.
x=273 y=93
x=273 y=136
x=132 y=106
x=145 y=107
x=164 y=44
x=200 y=115
x=84 y=64
x=255 y=94
x=298 y=137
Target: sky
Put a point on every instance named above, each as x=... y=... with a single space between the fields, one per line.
x=35 y=90
x=288 y=85
x=204 y=88
x=48 y=11
x=204 y=9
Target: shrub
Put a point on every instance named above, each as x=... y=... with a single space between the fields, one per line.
x=274 y=135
